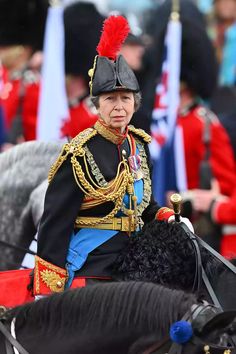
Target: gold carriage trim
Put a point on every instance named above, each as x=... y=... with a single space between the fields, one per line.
x=48 y=277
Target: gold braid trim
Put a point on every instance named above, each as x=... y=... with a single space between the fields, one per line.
x=140 y=133
x=61 y=158
x=123 y=180
x=75 y=146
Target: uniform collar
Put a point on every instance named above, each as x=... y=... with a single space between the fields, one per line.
x=111 y=134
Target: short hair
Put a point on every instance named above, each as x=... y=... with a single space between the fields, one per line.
x=137 y=100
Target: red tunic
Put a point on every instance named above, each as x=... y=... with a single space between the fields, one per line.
x=10 y=99
x=82 y=116
x=30 y=111
x=224 y=212
x=25 y=84
x=221 y=159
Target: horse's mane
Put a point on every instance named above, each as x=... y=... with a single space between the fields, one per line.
x=122 y=306
x=162 y=253
x=27 y=150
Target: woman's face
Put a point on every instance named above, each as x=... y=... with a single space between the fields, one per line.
x=226 y=9
x=116 y=108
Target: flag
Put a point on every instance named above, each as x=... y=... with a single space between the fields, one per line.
x=166 y=148
x=53 y=107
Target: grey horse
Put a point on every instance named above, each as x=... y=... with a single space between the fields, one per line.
x=23 y=182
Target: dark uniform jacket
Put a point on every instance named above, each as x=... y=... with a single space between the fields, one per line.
x=64 y=197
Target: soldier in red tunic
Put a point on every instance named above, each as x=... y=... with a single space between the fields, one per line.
x=21 y=34
x=222 y=210
x=207 y=149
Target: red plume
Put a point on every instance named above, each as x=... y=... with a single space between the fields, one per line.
x=115 y=31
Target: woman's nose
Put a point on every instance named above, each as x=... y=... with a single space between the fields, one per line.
x=118 y=104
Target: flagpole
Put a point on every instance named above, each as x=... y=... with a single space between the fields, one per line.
x=54 y=3
x=175 y=11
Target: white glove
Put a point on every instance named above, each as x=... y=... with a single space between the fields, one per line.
x=186 y=221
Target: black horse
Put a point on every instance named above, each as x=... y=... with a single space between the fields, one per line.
x=122 y=318
x=164 y=254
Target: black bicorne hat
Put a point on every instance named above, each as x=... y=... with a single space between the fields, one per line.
x=110 y=71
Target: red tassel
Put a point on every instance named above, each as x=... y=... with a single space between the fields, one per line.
x=115 y=31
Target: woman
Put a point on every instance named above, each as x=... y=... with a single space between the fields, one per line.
x=100 y=186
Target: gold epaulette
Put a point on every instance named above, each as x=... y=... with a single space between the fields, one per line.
x=75 y=147
x=77 y=143
x=140 y=133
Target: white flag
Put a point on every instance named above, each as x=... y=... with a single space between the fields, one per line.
x=53 y=105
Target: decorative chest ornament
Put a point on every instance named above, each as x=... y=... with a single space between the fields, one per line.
x=135 y=167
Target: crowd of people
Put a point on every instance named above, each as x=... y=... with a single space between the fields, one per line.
x=206 y=115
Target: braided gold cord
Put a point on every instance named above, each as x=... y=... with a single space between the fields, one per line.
x=61 y=158
x=141 y=133
x=110 y=185
x=91 y=191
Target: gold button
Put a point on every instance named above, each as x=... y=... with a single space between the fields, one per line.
x=59 y=284
x=206 y=349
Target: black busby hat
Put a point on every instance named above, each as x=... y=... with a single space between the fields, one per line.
x=83 y=25
x=198 y=61
x=22 y=22
x=110 y=71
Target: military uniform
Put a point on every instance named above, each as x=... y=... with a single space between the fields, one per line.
x=19 y=99
x=223 y=211
x=93 y=188
x=221 y=157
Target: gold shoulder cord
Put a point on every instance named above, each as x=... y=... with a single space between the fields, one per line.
x=61 y=158
x=113 y=192
x=140 y=133
x=68 y=148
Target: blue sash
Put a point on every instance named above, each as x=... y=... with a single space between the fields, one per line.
x=81 y=244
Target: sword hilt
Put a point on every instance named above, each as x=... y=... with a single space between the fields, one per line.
x=176 y=200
